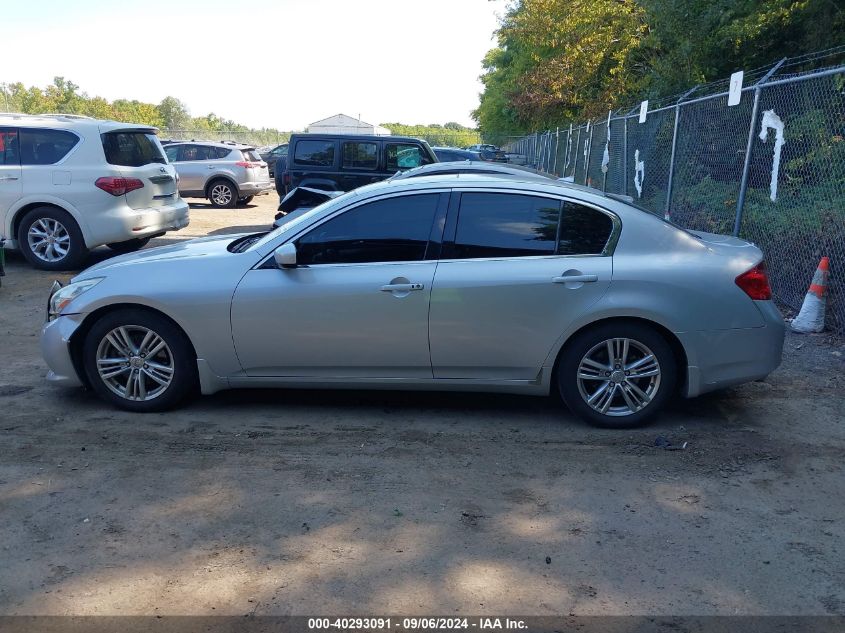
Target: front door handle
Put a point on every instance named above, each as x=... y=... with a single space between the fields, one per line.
x=9 y=178
x=401 y=287
x=575 y=279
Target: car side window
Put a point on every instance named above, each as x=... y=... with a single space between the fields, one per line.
x=9 y=147
x=45 y=147
x=222 y=152
x=405 y=156
x=314 y=153
x=206 y=152
x=189 y=152
x=172 y=152
x=506 y=225
x=583 y=231
x=390 y=230
x=360 y=155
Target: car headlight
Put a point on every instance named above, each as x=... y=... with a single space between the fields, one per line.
x=61 y=297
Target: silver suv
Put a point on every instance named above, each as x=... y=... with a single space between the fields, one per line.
x=225 y=173
x=71 y=183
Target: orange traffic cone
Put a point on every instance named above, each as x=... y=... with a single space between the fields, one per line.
x=811 y=317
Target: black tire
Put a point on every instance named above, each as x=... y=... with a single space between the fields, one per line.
x=218 y=198
x=245 y=200
x=178 y=354
x=130 y=246
x=76 y=250
x=591 y=339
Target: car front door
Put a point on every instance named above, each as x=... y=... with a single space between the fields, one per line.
x=356 y=305
x=191 y=168
x=10 y=172
x=516 y=271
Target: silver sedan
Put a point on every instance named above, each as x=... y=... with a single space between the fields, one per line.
x=467 y=282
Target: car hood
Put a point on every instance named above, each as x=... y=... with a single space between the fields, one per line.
x=213 y=246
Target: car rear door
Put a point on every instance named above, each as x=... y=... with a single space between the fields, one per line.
x=137 y=154
x=359 y=164
x=356 y=305
x=10 y=174
x=517 y=269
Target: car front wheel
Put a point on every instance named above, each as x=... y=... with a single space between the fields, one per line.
x=617 y=375
x=139 y=361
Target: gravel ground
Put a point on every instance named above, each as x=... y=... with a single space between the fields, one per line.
x=300 y=502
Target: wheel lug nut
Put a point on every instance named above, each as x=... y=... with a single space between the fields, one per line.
x=627 y=373
x=607 y=373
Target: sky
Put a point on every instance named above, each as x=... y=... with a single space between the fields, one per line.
x=281 y=64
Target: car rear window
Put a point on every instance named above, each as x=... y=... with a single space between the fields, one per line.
x=315 y=153
x=251 y=154
x=45 y=147
x=131 y=149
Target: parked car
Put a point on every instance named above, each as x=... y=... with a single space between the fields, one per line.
x=70 y=183
x=441 y=283
x=475 y=167
x=227 y=174
x=342 y=162
x=489 y=152
x=271 y=155
x=452 y=154
x=516 y=159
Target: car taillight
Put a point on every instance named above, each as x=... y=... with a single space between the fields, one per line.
x=755 y=283
x=244 y=163
x=118 y=186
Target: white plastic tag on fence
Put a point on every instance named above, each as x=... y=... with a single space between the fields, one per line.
x=639 y=173
x=735 y=91
x=643 y=110
x=772 y=121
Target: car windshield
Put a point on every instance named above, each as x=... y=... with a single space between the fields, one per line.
x=299 y=216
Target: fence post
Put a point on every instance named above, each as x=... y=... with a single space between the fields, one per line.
x=577 y=151
x=557 y=148
x=674 y=147
x=588 y=153
x=743 y=184
x=625 y=156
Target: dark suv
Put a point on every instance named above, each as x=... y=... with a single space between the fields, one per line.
x=342 y=162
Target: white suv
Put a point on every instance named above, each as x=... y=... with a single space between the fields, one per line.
x=70 y=183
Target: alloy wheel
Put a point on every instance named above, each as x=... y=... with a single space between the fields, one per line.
x=221 y=194
x=135 y=363
x=48 y=240
x=618 y=377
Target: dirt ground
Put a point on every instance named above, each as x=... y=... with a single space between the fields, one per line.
x=300 y=502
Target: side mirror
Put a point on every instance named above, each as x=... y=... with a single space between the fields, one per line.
x=285 y=255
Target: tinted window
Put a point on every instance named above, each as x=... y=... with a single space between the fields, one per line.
x=316 y=153
x=131 y=149
x=8 y=147
x=360 y=155
x=45 y=147
x=392 y=230
x=583 y=231
x=172 y=152
x=252 y=155
x=405 y=156
x=506 y=225
x=222 y=152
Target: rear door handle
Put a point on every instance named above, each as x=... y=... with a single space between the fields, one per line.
x=9 y=178
x=401 y=287
x=575 y=279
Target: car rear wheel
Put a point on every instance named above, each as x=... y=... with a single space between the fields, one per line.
x=139 y=361
x=129 y=246
x=50 y=239
x=245 y=200
x=222 y=194
x=617 y=375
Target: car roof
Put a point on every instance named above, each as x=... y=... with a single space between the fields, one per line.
x=240 y=146
x=477 y=166
x=352 y=137
x=68 y=121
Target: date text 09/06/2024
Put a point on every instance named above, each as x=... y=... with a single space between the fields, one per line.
x=416 y=624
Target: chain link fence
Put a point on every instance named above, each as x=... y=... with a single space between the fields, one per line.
x=770 y=168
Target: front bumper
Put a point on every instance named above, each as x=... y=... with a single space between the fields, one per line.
x=723 y=358
x=55 y=348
